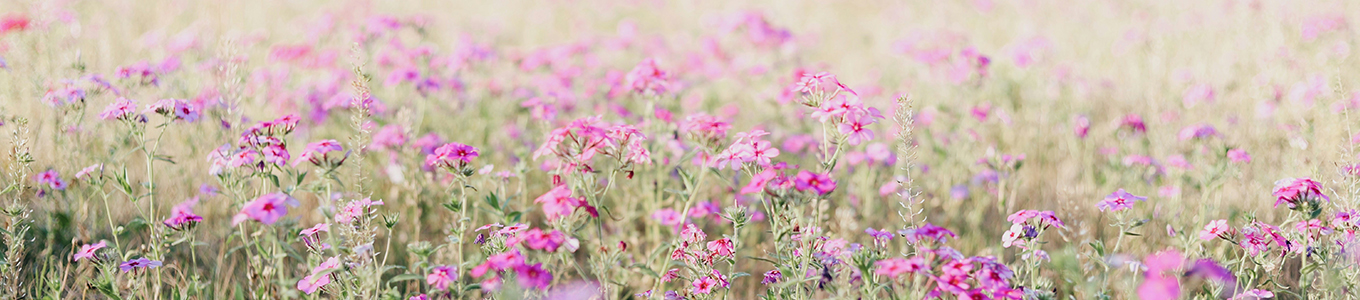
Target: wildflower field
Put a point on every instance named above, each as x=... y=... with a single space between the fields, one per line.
x=593 y=149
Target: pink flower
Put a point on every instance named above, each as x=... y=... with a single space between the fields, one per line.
x=897 y=266
x=538 y=239
x=92 y=169
x=1081 y=126
x=758 y=182
x=266 y=209
x=1161 y=277
x=177 y=109
x=451 y=155
x=314 y=281
x=354 y=210
x=1013 y=237
x=721 y=247
x=1197 y=131
x=1134 y=122
x=646 y=77
x=51 y=178
x=88 y=251
x=855 y=128
x=316 y=152
x=389 y=137
x=1216 y=228
x=821 y=183
x=703 y=285
x=182 y=216
x=1254 y=294
x=558 y=203
x=666 y=216
x=1295 y=191
x=440 y=277
x=533 y=276
x=120 y=109
x=1119 y=200
x=275 y=154
x=1239 y=156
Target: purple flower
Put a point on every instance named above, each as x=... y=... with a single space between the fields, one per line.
x=140 y=263
x=773 y=276
x=1119 y=200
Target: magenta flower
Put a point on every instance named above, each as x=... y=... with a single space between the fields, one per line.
x=1295 y=191
x=451 y=155
x=821 y=183
x=703 y=285
x=1239 y=156
x=121 y=109
x=440 y=277
x=1134 y=122
x=275 y=154
x=1119 y=200
x=266 y=209
x=538 y=239
x=140 y=263
x=88 y=251
x=533 y=276
x=50 y=178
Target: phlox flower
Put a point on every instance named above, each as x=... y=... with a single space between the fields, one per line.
x=96 y=169
x=266 y=209
x=533 y=276
x=182 y=215
x=176 y=109
x=897 y=266
x=856 y=128
x=50 y=178
x=1238 y=155
x=703 y=285
x=451 y=155
x=1254 y=294
x=821 y=183
x=647 y=77
x=1197 y=131
x=666 y=216
x=354 y=210
x=440 y=277
x=1119 y=200
x=88 y=251
x=120 y=109
x=721 y=247
x=316 y=152
x=139 y=263
x=538 y=239
x=314 y=281
x=773 y=276
x=1295 y=191
x=1216 y=228
x=558 y=202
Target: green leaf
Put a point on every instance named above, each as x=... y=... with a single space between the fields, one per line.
x=404 y=277
x=493 y=201
x=472 y=287
x=1131 y=233
x=740 y=275
x=514 y=217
